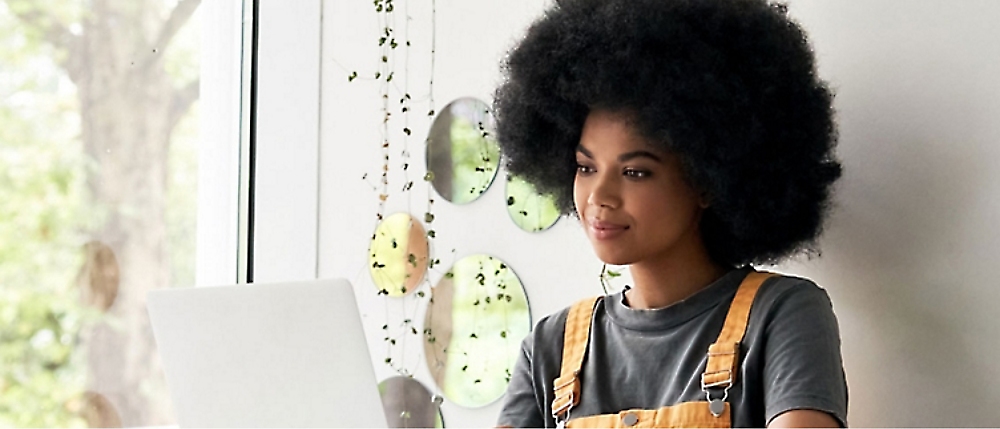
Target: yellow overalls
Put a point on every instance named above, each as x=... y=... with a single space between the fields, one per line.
x=720 y=372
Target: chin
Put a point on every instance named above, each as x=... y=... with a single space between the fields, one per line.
x=614 y=258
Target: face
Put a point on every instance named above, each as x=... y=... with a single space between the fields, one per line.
x=632 y=198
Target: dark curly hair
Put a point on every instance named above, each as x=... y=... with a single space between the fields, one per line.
x=730 y=86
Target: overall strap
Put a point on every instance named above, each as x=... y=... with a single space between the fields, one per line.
x=723 y=356
x=575 y=338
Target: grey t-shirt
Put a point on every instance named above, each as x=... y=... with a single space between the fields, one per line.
x=789 y=359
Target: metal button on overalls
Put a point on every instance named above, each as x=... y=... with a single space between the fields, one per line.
x=630 y=419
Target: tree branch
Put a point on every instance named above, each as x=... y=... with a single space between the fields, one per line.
x=52 y=31
x=178 y=17
x=182 y=100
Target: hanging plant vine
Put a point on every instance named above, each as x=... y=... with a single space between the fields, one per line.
x=390 y=42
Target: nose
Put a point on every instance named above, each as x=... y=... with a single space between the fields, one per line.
x=604 y=191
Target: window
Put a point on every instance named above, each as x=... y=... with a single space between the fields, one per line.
x=120 y=129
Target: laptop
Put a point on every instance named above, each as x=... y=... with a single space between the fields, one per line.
x=274 y=355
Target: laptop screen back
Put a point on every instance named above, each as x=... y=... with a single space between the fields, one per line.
x=277 y=355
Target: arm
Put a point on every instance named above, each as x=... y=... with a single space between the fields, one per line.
x=803 y=371
x=804 y=419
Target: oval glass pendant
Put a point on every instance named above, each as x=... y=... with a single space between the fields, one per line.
x=528 y=209
x=408 y=404
x=462 y=154
x=397 y=254
x=475 y=321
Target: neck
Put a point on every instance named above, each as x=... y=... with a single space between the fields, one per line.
x=670 y=278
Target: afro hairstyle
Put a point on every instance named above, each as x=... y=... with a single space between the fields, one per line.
x=730 y=86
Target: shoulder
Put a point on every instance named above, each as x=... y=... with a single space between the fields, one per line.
x=792 y=321
x=790 y=307
x=550 y=327
x=784 y=293
x=784 y=284
x=548 y=333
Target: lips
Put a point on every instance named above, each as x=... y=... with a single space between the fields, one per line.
x=604 y=230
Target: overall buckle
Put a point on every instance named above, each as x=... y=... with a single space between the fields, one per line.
x=561 y=413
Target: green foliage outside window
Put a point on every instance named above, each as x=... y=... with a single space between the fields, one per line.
x=41 y=225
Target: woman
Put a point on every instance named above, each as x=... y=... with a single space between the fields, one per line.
x=691 y=138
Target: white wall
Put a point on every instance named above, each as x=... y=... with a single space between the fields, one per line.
x=908 y=254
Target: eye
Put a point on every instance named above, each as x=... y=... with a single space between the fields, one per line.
x=636 y=174
x=583 y=169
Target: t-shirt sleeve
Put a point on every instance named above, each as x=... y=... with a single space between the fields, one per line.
x=803 y=367
x=520 y=406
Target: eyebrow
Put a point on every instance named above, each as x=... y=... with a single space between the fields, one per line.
x=623 y=157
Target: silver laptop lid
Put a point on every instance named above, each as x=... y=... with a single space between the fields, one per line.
x=276 y=355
